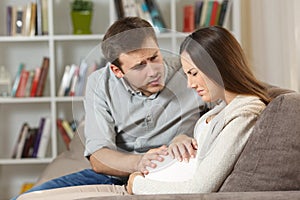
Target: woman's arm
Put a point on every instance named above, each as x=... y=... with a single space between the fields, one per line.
x=213 y=168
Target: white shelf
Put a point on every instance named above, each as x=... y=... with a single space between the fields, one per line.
x=25 y=161
x=63 y=49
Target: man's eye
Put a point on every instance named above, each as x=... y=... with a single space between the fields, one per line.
x=139 y=67
x=153 y=58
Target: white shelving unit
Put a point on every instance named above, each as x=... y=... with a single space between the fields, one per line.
x=62 y=48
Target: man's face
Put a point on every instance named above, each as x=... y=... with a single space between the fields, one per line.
x=143 y=68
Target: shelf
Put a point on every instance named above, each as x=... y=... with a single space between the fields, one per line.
x=69 y=99
x=25 y=161
x=24 y=38
x=77 y=37
x=11 y=100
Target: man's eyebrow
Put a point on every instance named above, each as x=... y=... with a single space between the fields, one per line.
x=143 y=61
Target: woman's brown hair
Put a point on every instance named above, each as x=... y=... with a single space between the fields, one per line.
x=227 y=56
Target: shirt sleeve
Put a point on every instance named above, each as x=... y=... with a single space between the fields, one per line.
x=213 y=168
x=99 y=123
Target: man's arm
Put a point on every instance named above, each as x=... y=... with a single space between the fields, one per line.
x=115 y=163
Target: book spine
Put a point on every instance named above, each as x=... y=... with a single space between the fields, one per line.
x=22 y=141
x=35 y=82
x=8 y=20
x=63 y=133
x=39 y=20
x=44 y=138
x=17 y=80
x=22 y=84
x=214 y=12
x=68 y=128
x=38 y=138
x=43 y=77
x=45 y=30
x=189 y=18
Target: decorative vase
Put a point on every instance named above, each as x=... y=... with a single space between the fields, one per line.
x=81 y=22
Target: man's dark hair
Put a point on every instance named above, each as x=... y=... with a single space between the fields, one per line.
x=125 y=35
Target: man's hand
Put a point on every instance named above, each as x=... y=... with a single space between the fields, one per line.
x=152 y=154
x=130 y=181
x=183 y=147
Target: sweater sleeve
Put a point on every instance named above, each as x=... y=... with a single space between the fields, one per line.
x=213 y=168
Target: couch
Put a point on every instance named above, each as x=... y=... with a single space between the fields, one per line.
x=268 y=167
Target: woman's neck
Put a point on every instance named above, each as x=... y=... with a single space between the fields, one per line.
x=229 y=96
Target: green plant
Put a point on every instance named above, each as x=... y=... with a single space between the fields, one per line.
x=82 y=5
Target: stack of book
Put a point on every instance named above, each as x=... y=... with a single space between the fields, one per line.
x=66 y=130
x=146 y=9
x=30 y=83
x=33 y=141
x=74 y=78
x=206 y=13
x=27 y=20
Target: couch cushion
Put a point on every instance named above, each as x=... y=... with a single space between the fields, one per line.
x=69 y=161
x=271 y=158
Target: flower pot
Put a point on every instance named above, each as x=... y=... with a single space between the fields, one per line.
x=81 y=22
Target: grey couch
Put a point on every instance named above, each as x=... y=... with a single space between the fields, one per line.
x=268 y=168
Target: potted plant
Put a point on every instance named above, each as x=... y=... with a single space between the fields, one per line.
x=81 y=13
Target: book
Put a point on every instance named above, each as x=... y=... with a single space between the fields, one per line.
x=25 y=187
x=29 y=83
x=214 y=13
x=208 y=13
x=43 y=77
x=65 y=124
x=69 y=79
x=119 y=8
x=63 y=133
x=74 y=82
x=144 y=13
x=22 y=84
x=32 y=19
x=27 y=18
x=45 y=29
x=39 y=18
x=17 y=80
x=79 y=91
x=35 y=82
x=9 y=20
x=189 y=18
x=45 y=137
x=22 y=140
x=29 y=143
x=223 y=11
x=156 y=16
x=129 y=7
x=64 y=81
x=38 y=137
x=18 y=142
x=198 y=11
x=203 y=13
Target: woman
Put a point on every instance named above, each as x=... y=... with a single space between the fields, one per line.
x=216 y=69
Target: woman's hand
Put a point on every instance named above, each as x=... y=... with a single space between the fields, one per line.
x=130 y=181
x=183 y=147
x=152 y=154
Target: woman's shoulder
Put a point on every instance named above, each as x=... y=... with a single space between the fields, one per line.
x=246 y=104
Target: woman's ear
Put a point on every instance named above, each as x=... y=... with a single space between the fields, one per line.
x=116 y=70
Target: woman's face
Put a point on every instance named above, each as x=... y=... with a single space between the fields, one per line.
x=197 y=80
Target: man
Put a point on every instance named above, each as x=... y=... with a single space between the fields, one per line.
x=138 y=102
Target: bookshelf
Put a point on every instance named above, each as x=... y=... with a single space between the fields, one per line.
x=63 y=49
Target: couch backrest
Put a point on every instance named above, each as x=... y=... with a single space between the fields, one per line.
x=271 y=158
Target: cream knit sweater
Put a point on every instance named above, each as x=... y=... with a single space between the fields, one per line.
x=223 y=142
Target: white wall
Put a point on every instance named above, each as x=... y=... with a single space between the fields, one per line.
x=271 y=38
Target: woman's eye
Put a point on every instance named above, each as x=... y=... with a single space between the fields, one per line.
x=194 y=74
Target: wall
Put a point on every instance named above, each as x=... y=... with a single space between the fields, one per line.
x=271 y=39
